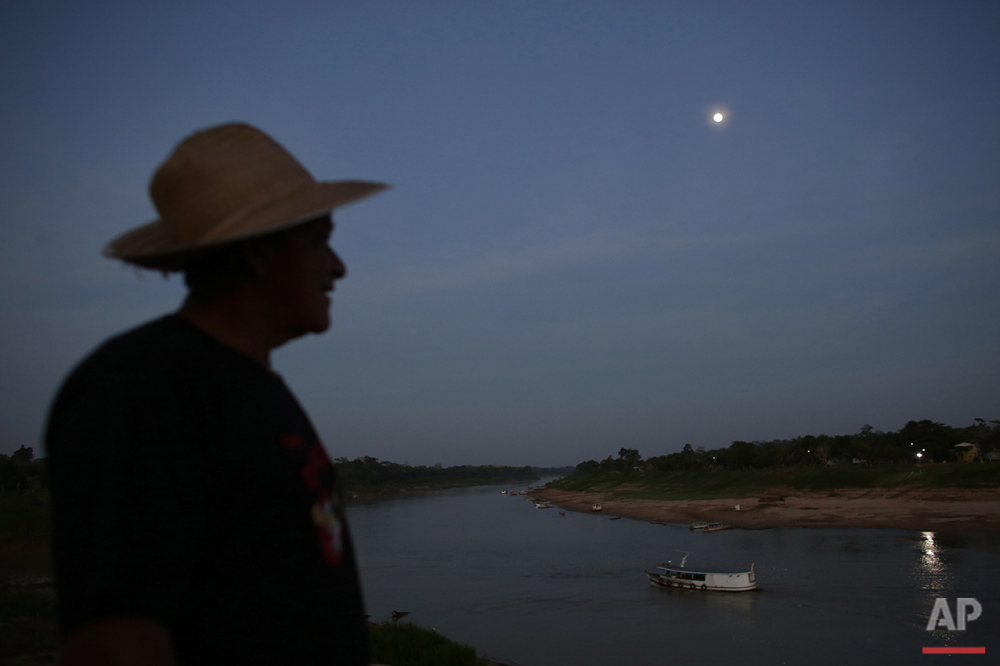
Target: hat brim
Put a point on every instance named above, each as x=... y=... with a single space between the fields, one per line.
x=150 y=246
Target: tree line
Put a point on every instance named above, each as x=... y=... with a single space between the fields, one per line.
x=21 y=471
x=917 y=441
x=368 y=471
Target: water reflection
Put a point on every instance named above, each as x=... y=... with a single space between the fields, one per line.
x=933 y=573
x=727 y=601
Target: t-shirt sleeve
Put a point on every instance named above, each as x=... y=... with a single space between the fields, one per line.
x=131 y=495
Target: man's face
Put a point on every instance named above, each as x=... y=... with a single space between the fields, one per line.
x=301 y=273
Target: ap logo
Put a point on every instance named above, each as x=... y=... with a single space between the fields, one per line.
x=941 y=617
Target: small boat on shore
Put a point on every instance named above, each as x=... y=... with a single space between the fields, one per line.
x=542 y=505
x=597 y=507
x=702 y=526
x=692 y=579
x=715 y=527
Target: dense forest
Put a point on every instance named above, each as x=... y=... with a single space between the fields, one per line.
x=917 y=441
x=372 y=474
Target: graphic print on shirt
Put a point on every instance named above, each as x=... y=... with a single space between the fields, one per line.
x=327 y=512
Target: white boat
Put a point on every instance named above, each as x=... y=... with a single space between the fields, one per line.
x=597 y=507
x=703 y=579
x=542 y=505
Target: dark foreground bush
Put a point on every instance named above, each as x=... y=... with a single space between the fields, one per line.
x=24 y=515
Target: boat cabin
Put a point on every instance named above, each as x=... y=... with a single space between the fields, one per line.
x=691 y=579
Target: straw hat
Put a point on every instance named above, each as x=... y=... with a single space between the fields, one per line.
x=224 y=184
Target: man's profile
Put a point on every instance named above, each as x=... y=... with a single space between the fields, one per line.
x=197 y=517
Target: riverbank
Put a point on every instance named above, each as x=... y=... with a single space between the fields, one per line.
x=912 y=508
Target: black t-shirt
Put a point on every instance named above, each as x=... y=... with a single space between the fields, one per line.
x=190 y=488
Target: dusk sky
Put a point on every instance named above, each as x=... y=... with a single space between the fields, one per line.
x=574 y=257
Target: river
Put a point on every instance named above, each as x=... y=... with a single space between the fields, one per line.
x=527 y=587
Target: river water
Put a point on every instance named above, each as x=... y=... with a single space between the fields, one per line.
x=527 y=587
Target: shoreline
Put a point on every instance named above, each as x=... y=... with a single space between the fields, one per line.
x=394 y=492
x=923 y=509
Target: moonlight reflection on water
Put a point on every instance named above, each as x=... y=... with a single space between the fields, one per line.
x=933 y=573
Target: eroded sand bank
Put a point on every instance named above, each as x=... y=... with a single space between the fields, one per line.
x=911 y=508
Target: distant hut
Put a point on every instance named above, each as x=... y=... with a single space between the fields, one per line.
x=967 y=452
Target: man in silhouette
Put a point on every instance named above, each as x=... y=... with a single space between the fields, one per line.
x=197 y=518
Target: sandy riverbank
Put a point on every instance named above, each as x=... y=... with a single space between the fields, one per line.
x=911 y=508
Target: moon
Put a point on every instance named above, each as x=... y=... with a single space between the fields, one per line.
x=718 y=117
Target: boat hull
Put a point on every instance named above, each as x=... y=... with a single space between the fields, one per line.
x=742 y=581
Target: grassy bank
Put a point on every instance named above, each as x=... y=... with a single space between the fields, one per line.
x=406 y=644
x=27 y=593
x=725 y=484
